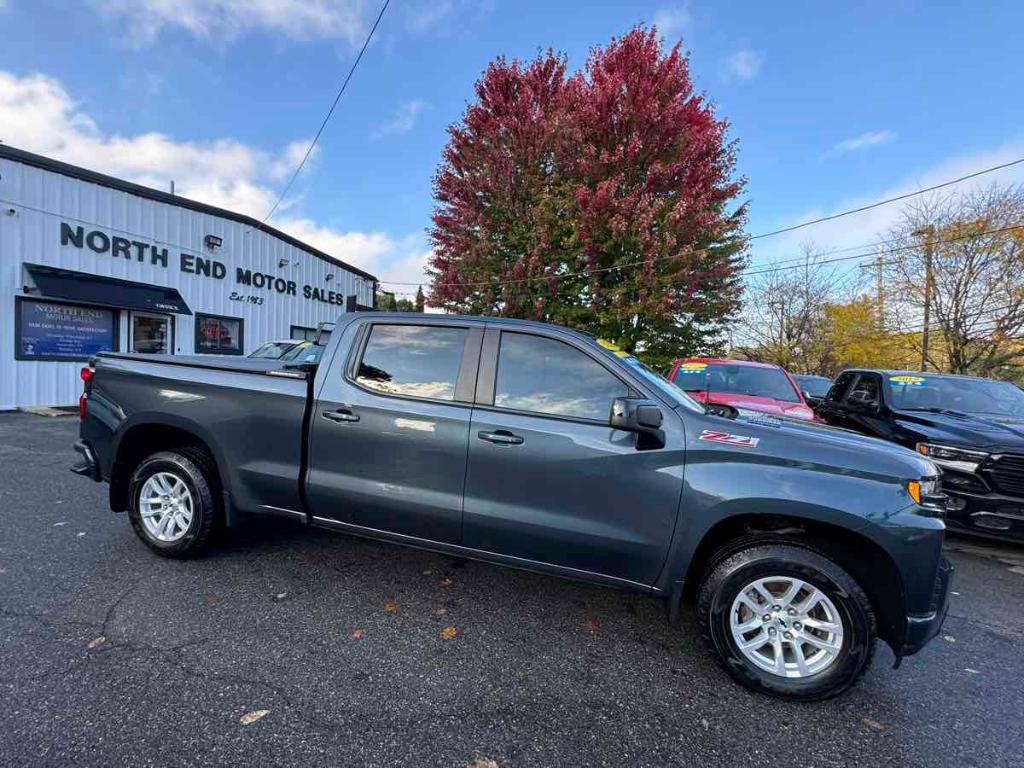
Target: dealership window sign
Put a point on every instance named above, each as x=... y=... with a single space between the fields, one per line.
x=100 y=242
x=51 y=331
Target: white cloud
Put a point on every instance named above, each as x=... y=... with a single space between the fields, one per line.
x=672 y=21
x=230 y=19
x=285 y=164
x=865 y=140
x=429 y=14
x=403 y=121
x=37 y=114
x=744 y=65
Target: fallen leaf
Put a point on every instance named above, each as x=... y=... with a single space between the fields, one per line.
x=357 y=634
x=251 y=717
x=873 y=724
x=441 y=610
x=390 y=606
x=593 y=624
x=93 y=644
x=448 y=633
x=446 y=582
x=483 y=762
x=949 y=638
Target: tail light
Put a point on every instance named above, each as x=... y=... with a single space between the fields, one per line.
x=87 y=374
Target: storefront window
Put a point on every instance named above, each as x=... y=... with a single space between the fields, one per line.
x=151 y=334
x=218 y=335
x=302 y=333
x=47 y=330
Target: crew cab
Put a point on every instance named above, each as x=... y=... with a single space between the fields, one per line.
x=972 y=428
x=741 y=384
x=539 y=447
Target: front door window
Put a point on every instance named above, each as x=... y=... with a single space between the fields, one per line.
x=151 y=334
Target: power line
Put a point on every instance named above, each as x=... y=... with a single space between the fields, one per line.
x=745 y=273
x=888 y=251
x=330 y=112
x=792 y=228
x=880 y=203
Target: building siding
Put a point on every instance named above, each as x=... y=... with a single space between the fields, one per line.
x=34 y=202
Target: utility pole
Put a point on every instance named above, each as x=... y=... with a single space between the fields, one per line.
x=929 y=245
x=878 y=264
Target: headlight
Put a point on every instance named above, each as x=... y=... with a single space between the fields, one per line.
x=952 y=458
x=927 y=492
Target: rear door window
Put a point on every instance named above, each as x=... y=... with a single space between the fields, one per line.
x=840 y=386
x=413 y=360
x=548 y=376
x=866 y=391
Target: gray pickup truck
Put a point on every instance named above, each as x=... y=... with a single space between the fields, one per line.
x=539 y=447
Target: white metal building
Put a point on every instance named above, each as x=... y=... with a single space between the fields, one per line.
x=89 y=262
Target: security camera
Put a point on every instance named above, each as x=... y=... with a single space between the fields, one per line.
x=11 y=211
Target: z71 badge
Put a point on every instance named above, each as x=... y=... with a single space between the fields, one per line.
x=743 y=441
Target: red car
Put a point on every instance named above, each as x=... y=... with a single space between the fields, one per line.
x=741 y=384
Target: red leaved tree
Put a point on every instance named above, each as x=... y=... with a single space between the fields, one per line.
x=604 y=200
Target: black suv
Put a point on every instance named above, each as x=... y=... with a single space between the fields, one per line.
x=973 y=428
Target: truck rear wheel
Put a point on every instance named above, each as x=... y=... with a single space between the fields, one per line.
x=173 y=502
x=787 y=621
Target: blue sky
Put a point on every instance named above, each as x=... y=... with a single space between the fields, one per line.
x=832 y=104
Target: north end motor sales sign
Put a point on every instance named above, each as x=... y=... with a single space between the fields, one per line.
x=100 y=242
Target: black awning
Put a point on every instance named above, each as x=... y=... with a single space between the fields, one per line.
x=55 y=283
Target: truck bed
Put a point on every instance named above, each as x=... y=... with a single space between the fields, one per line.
x=258 y=420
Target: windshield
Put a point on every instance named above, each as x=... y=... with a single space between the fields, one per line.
x=306 y=352
x=978 y=396
x=273 y=350
x=296 y=350
x=663 y=385
x=814 y=385
x=736 y=379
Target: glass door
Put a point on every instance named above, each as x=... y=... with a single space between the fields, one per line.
x=151 y=334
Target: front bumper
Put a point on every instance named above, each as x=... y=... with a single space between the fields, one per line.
x=991 y=514
x=922 y=628
x=88 y=466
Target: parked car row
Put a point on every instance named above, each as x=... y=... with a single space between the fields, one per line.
x=972 y=428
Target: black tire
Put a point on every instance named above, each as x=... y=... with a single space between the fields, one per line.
x=197 y=471
x=730 y=575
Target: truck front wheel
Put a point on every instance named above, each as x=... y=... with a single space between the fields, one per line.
x=787 y=621
x=173 y=505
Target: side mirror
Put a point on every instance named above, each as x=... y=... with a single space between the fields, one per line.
x=641 y=416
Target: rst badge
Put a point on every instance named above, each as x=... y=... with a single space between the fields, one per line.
x=742 y=441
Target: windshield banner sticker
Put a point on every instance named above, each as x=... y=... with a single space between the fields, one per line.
x=743 y=441
x=692 y=367
x=913 y=381
x=613 y=348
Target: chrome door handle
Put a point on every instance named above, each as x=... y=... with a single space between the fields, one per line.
x=341 y=415
x=501 y=437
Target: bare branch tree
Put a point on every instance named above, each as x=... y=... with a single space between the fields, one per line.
x=977 y=287
x=785 y=320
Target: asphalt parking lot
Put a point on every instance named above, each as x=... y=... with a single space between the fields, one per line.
x=110 y=655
